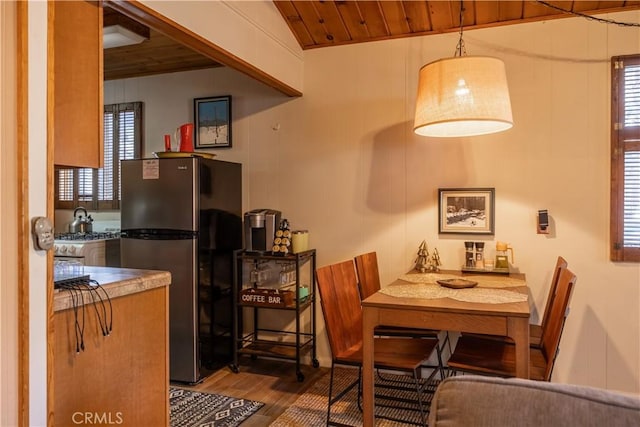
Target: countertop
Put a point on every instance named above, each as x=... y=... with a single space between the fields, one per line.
x=117 y=282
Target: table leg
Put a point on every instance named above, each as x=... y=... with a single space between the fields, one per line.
x=519 y=331
x=368 y=324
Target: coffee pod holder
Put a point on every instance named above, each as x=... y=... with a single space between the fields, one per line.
x=282 y=239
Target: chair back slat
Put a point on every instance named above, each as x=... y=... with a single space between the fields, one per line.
x=558 y=312
x=561 y=264
x=368 y=274
x=340 y=302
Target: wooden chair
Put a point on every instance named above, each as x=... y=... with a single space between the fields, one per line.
x=369 y=284
x=340 y=302
x=535 y=331
x=480 y=355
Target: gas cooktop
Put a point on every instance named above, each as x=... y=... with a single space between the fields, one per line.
x=88 y=236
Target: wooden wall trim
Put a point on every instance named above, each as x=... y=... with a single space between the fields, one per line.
x=51 y=391
x=23 y=212
x=177 y=32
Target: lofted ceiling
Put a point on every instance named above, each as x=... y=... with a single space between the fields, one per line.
x=330 y=23
x=320 y=23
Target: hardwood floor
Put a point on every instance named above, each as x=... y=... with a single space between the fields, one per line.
x=272 y=382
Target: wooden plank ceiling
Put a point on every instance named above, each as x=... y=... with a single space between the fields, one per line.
x=329 y=23
x=320 y=23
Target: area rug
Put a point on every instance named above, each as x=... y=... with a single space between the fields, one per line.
x=310 y=409
x=195 y=409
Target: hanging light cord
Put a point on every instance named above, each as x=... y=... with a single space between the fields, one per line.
x=589 y=17
x=460 y=49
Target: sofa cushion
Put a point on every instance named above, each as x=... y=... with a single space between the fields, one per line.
x=471 y=400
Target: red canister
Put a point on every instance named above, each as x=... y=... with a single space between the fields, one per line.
x=186 y=138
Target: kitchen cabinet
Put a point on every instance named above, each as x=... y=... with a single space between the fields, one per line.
x=121 y=378
x=76 y=81
x=292 y=296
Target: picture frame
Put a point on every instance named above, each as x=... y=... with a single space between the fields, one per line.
x=212 y=118
x=466 y=210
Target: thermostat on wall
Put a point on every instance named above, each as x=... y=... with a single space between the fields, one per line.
x=543 y=222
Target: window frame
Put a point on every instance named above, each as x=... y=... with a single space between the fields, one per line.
x=95 y=204
x=620 y=134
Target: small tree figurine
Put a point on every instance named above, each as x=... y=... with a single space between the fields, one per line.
x=423 y=263
x=435 y=260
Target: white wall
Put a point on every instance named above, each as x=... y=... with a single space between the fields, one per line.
x=375 y=182
x=37 y=203
x=345 y=164
x=252 y=30
x=168 y=103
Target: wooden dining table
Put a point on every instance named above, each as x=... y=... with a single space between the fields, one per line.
x=470 y=312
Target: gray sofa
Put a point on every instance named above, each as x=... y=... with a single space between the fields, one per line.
x=470 y=400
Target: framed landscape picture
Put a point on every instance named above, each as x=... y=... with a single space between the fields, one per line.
x=466 y=210
x=212 y=117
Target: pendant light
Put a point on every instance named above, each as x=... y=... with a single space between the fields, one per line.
x=463 y=95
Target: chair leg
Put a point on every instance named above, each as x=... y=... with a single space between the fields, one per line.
x=440 y=365
x=449 y=371
x=448 y=341
x=339 y=396
x=440 y=368
x=416 y=379
x=330 y=391
x=419 y=394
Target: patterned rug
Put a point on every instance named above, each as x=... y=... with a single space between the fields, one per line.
x=310 y=409
x=196 y=409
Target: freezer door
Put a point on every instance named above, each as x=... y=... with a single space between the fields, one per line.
x=159 y=194
x=180 y=258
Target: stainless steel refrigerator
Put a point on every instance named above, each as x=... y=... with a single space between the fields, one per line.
x=184 y=215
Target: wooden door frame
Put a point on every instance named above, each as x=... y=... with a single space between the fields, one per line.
x=23 y=226
x=23 y=209
x=149 y=17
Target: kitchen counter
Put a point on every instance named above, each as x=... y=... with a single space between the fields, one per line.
x=117 y=282
x=111 y=361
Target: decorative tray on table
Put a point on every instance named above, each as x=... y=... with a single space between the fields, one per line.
x=494 y=270
x=457 y=283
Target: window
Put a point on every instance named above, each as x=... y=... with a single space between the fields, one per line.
x=99 y=189
x=625 y=158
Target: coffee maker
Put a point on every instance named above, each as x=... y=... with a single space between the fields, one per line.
x=260 y=226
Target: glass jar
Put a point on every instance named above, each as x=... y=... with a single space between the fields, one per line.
x=299 y=241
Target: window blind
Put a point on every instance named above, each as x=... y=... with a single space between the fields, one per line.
x=631 y=236
x=105 y=174
x=631 y=122
x=98 y=189
x=625 y=158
